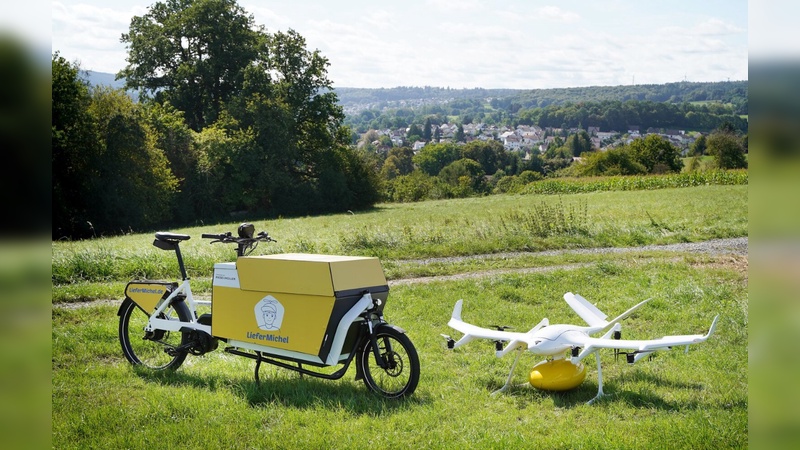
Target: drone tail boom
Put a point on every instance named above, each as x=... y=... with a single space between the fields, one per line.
x=622 y=316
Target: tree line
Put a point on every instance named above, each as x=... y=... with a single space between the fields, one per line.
x=734 y=93
x=230 y=119
x=607 y=115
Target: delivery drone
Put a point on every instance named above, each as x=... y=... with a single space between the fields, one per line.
x=559 y=372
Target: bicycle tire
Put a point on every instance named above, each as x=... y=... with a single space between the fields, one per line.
x=401 y=376
x=151 y=353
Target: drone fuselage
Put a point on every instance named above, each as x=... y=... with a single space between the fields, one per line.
x=556 y=340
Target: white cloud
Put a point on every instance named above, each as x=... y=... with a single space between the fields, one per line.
x=557 y=14
x=455 y=5
x=715 y=27
x=466 y=43
x=91 y=35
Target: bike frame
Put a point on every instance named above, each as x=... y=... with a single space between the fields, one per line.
x=334 y=357
x=155 y=323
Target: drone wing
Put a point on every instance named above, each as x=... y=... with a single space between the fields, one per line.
x=593 y=316
x=472 y=332
x=644 y=347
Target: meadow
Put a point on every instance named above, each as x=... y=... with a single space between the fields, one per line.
x=676 y=400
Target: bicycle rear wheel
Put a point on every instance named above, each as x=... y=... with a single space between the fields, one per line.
x=400 y=376
x=157 y=350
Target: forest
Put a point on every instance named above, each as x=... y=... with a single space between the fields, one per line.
x=689 y=106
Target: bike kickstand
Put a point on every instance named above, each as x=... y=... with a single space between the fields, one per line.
x=258 y=366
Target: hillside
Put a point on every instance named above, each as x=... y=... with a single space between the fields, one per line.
x=734 y=92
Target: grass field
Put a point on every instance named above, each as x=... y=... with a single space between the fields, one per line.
x=677 y=400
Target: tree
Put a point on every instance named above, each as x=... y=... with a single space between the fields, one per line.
x=74 y=147
x=432 y=158
x=699 y=146
x=131 y=182
x=459 y=134
x=615 y=161
x=579 y=143
x=490 y=154
x=296 y=158
x=403 y=159
x=464 y=172
x=727 y=149
x=427 y=133
x=414 y=133
x=191 y=54
x=656 y=154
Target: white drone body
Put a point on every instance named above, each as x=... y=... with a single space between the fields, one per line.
x=557 y=341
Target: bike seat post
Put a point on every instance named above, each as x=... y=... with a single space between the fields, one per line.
x=180 y=261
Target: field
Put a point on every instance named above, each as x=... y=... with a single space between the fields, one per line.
x=693 y=400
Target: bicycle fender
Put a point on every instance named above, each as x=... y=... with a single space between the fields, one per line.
x=389 y=325
x=123 y=305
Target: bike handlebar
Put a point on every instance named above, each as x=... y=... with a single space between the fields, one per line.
x=220 y=236
x=244 y=245
x=229 y=238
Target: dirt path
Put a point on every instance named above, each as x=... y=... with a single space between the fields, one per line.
x=734 y=250
x=735 y=247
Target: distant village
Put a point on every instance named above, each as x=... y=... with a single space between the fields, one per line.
x=527 y=139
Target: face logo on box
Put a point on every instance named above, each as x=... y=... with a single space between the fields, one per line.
x=269 y=313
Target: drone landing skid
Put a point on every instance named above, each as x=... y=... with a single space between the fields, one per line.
x=510 y=373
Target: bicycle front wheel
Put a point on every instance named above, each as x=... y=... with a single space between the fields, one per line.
x=158 y=350
x=400 y=375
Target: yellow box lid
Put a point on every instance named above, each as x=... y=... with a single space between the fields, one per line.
x=309 y=274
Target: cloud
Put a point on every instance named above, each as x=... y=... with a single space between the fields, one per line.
x=716 y=27
x=91 y=35
x=455 y=5
x=557 y=14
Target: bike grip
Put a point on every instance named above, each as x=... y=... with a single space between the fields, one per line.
x=210 y=236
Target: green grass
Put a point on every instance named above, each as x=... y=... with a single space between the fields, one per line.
x=677 y=400
x=96 y=269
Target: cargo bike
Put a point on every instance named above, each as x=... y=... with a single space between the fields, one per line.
x=294 y=311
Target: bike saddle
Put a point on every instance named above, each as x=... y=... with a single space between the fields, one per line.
x=171 y=237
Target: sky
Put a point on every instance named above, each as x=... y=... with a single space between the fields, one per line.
x=514 y=44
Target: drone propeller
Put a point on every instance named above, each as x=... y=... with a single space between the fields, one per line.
x=617 y=336
x=632 y=357
x=501 y=327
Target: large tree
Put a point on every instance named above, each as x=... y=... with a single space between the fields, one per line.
x=294 y=156
x=191 y=54
x=271 y=139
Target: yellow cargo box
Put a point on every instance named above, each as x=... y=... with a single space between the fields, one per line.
x=292 y=302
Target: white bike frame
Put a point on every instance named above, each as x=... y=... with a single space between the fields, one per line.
x=176 y=324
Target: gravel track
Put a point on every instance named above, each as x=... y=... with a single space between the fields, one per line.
x=733 y=246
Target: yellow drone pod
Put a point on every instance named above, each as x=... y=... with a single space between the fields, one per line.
x=557 y=375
